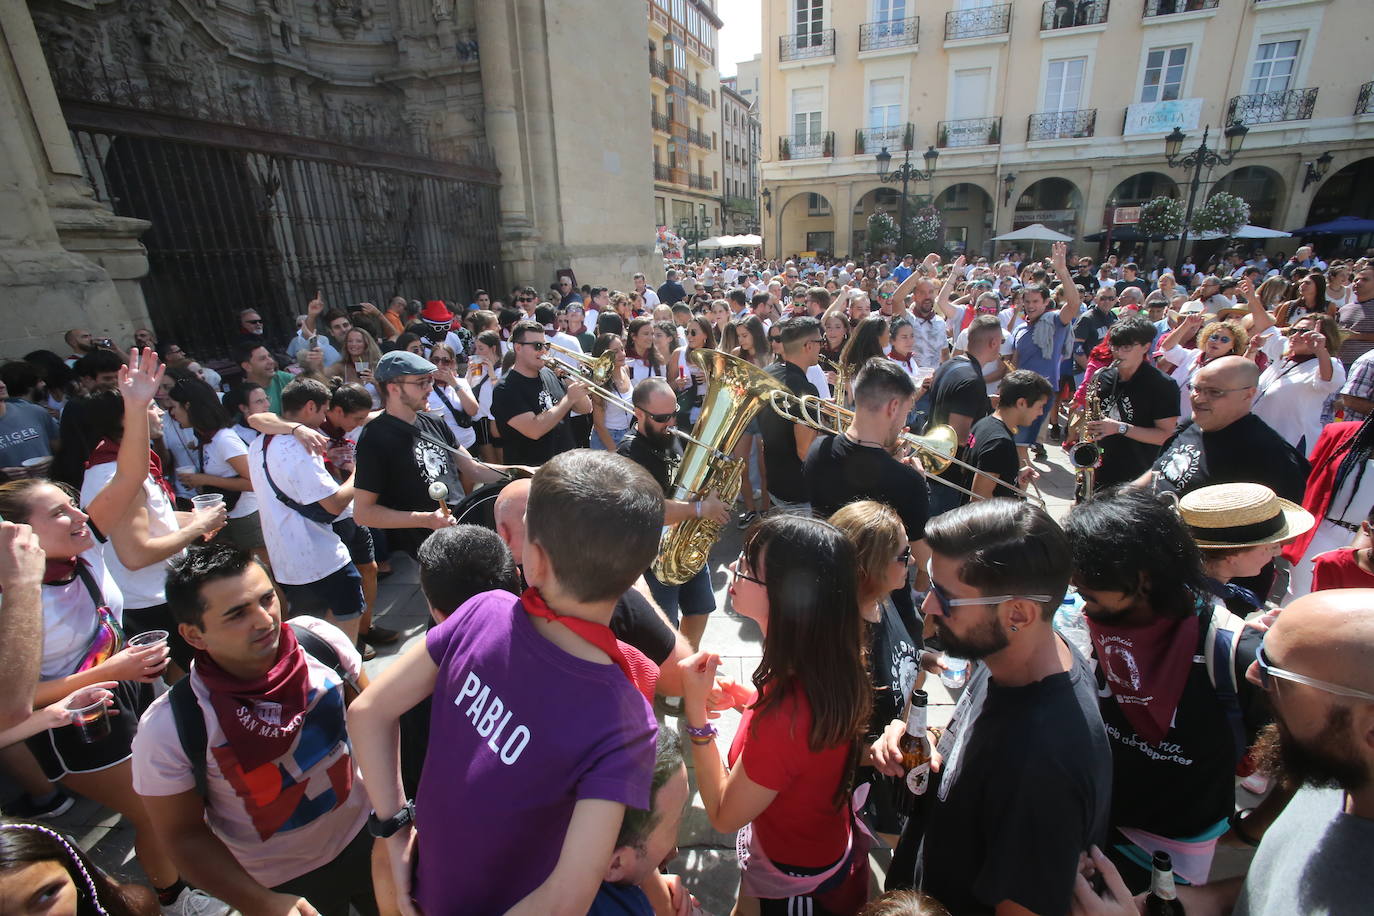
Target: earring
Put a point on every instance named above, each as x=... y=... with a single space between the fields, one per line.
x=1013 y=628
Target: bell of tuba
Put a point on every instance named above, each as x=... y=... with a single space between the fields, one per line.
x=735 y=390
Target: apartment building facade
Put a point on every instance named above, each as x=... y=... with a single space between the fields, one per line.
x=685 y=114
x=739 y=150
x=1055 y=112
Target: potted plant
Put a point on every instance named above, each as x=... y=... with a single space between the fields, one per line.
x=784 y=148
x=909 y=137
x=828 y=144
x=1161 y=217
x=859 y=142
x=1224 y=213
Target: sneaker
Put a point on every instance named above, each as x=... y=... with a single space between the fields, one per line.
x=1039 y=451
x=27 y=808
x=746 y=519
x=194 y=902
x=380 y=636
x=1055 y=433
x=367 y=652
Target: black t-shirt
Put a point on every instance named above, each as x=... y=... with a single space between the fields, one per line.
x=1025 y=788
x=1186 y=783
x=892 y=657
x=1088 y=330
x=635 y=621
x=1145 y=398
x=517 y=394
x=395 y=463
x=1247 y=451
x=659 y=463
x=785 y=478
x=958 y=387
x=992 y=450
x=840 y=471
x=670 y=293
x=1137 y=283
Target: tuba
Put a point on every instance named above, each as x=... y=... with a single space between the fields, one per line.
x=735 y=390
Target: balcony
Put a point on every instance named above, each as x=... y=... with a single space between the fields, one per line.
x=969 y=132
x=1061 y=125
x=658 y=68
x=872 y=139
x=1155 y=8
x=978 y=22
x=660 y=122
x=699 y=138
x=1364 y=104
x=804 y=45
x=741 y=205
x=695 y=91
x=700 y=182
x=1066 y=14
x=807 y=146
x=662 y=172
x=893 y=33
x=1272 y=107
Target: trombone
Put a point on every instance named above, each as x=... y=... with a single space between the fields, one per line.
x=935 y=450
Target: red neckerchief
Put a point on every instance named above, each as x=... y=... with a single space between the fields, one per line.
x=60 y=572
x=906 y=363
x=107 y=451
x=598 y=634
x=1147 y=668
x=260 y=718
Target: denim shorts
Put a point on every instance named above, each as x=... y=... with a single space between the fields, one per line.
x=693 y=597
x=339 y=593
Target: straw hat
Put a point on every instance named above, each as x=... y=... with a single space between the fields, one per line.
x=1230 y=515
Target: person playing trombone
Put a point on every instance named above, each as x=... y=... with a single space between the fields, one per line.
x=530 y=404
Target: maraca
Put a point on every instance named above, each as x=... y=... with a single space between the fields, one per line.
x=439 y=493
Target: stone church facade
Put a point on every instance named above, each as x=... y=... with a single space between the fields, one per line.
x=209 y=155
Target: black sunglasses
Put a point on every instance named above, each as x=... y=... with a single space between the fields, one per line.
x=539 y=347
x=660 y=417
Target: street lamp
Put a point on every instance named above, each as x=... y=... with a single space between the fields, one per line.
x=1204 y=157
x=1316 y=171
x=694 y=230
x=906 y=174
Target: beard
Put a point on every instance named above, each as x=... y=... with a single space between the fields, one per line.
x=986 y=639
x=659 y=438
x=1329 y=763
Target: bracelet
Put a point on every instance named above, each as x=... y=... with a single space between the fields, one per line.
x=296 y=427
x=697 y=506
x=1234 y=822
x=702 y=742
x=707 y=731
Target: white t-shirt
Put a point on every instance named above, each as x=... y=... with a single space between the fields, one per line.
x=466 y=435
x=302 y=551
x=273 y=832
x=180 y=443
x=482 y=386
x=224 y=446
x=650 y=297
x=69 y=617
x=1291 y=396
x=145 y=587
x=816 y=376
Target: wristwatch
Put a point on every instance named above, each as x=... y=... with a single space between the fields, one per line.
x=381 y=829
x=1121 y=428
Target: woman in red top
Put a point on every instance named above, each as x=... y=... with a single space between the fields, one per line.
x=1347 y=567
x=794 y=755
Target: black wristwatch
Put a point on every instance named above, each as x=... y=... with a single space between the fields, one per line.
x=381 y=829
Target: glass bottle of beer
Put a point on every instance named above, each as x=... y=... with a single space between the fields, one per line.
x=915 y=745
x=1163 y=898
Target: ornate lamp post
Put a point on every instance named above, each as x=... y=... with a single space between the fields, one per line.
x=1204 y=157
x=694 y=230
x=906 y=174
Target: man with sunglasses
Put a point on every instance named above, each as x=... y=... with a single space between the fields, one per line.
x=1021 y=781
x=785 y=444
x=530 y=404
x=1089 y=330
x=653 y=447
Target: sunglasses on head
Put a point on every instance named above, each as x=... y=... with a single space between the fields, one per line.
x=947 y=604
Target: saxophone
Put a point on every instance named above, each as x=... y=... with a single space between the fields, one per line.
x=1085 y=455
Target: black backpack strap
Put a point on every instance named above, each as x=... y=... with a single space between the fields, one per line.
x=320 y=649
x=190 y=723
x=314 y=512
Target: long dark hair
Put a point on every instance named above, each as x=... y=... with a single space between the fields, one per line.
x=864 y=343
x=1352 y=457
x=203 y=409
x=815 y=633
x=23 y=844
x=650 y=359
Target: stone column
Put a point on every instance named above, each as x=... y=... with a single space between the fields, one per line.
x=60 y=250
x=841 y=212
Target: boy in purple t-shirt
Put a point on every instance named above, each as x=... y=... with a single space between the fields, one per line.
x=538 y=739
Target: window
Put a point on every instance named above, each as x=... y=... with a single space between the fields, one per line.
x=806 y=115
x=817 y=205
x=680 y=10
x=1064 y=84
x=820 y=242
x=809 y=19
x=888 y=10
x=885 y=103
x=1164 y=70
x=1275 y=64
x=660 y=212
x=971 y=93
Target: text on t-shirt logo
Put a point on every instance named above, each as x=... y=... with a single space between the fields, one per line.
x=489 y=715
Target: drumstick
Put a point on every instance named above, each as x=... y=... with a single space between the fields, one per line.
x=439 y=493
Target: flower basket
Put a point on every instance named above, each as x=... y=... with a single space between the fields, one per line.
x=1161 y=217
x=1223 y=213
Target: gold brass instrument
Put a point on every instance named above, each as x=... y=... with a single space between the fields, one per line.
x=935 y=449
x=596 y=369
x=1085 y=455
x=840 y=394
x=735 y=390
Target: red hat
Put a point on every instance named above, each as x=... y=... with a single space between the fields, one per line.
x=435 y=312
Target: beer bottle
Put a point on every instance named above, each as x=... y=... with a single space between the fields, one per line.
x=915 y=745
x=1163 y=898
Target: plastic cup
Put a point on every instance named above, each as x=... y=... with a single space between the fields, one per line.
x=361 y=366
x=37 y=467
x=92 y=722
x=207 y=500
x=148 y=638
x=185 y=469
x=955 y=674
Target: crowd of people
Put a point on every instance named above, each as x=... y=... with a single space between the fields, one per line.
x=189 y=561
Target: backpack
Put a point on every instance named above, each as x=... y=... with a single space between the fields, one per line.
x=190 y=718
x=1220 y=639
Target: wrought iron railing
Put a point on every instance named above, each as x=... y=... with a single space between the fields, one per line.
x=969 y=132
x=662 y=172
x=801 y=45
x=741 y=205
x=1271 y=107
x=695 y=91
x=891 y=33
x=1061 y=125
x=1364 y=104
x=872 y=139
x=659 y=121
x=658 y=68
x=978 y=21
x=818 y=145
x=700 y=139
x=1065 y=14
x=1169 y=7
x=700 y=182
